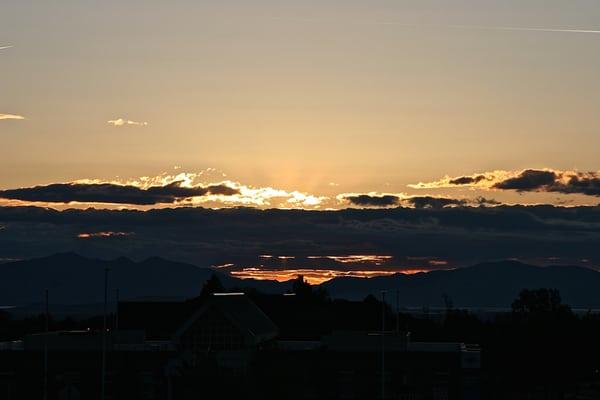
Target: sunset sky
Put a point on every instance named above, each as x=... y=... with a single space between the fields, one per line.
x=306 y=104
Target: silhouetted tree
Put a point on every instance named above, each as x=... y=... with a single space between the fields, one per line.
x=306 y=292
x=301 y=287
x=321 y=294
x=540 y=302
x=212 y=285
x=448 y=303
x=4 y=316
x=370 y=299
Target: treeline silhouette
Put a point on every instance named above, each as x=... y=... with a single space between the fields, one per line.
x=541 y=345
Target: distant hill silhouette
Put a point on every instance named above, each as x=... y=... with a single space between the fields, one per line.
x=73 y=280
x=494 y=284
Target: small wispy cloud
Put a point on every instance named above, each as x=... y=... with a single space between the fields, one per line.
x=11 y=116
x=5 y=47
x=124 y=122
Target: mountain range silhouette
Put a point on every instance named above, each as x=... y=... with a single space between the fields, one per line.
x=73 y=279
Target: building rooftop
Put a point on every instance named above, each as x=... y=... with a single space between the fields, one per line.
x=242 y=312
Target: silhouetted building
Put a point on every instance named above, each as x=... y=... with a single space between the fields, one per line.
x=227 y=347
x=360 y=365
x=134 y=366
x=229 y=324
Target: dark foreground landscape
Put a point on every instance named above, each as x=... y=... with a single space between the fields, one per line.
x=492 y=331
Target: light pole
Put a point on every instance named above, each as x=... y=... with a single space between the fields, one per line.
x=117 y=312
x=103 y=387
x=397 y=312
x=46 y=328
x=383 y=344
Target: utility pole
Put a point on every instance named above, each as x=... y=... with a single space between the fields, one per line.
x=103 y=384
x=117 y=313
x=383 y=344
x=397 y=312
x=46 y=328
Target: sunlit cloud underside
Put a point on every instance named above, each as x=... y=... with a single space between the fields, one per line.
x=188 y=189
x=11 y=116
x=125 y=122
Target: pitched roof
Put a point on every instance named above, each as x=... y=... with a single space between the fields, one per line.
x=254 y=324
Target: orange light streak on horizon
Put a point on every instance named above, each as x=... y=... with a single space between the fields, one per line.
x=224 y=266
x=314 y=276
x=102 y=234
x=269 y=256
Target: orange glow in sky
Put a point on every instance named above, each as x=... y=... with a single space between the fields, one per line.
x=102 y=235
x=313 y=276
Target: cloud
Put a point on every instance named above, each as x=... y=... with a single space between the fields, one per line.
x=529 y=180
x=266 y=197
x=123 y=122
x=387 y=200
x=459 y=235
x=371 y=200
x=114 y=193
x=181 y=189
x=467 y=180
x=5 y=47
x=479 y=180
x=434 y=202
x=11 y=116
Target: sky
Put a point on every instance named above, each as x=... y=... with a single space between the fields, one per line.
x=307 y=104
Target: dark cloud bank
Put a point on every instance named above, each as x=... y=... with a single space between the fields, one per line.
x=537 y=180
x=389 y=200
x=551 y=181
x=461 y=235
x=529 y=180
x=112 y=193
x=367 y=200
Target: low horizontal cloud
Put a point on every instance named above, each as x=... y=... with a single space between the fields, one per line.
x=529 y=180
x=402 y=200
x=124 y=122
x=266 y=197
x=479 y=180
x=467 y=180
x=371 y=199
x=114 y=193
x=11 y=116
x=434 y=202
x=182 y=189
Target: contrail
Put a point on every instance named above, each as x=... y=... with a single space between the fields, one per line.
x=523 y=29
x=491 y=28
x=5 y=47
x=448 y=26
